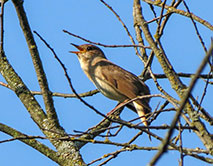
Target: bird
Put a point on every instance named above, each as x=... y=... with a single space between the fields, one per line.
x=113 y=81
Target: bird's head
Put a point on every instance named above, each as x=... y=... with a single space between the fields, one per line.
x=88 y=51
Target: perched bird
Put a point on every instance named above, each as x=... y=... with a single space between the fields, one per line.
x=113 y=81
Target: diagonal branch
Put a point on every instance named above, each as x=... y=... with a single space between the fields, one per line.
x=31 y=142
x=17 y=85
x=104 y=45
x=42 y=80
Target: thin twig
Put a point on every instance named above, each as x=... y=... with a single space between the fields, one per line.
x=204 y=91
x=2 y=26
x=186 y=75
x=104 y=45
x=65 y=95
x=174 y=4
x=157 y=18
x=180 y=144
x=161 y=17
x=195 y=26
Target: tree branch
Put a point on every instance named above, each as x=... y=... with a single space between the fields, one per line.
x=42 y=80
x=31 y=142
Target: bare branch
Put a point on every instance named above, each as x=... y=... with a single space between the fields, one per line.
x=101 y=44
x=42 y=80
x=196 y=28
x=29 y=141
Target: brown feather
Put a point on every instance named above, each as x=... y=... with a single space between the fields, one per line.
x=128 y=84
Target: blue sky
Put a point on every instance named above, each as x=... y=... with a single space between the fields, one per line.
x=92 y=20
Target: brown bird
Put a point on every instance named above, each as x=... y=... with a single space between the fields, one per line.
x=113 y=81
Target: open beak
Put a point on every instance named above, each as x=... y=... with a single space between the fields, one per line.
x=78 y=47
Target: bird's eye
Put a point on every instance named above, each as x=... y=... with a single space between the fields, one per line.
x=89 y=48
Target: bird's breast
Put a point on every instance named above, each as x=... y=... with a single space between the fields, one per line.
x=94 y=73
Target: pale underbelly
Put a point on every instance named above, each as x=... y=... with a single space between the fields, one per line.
x=109 y=90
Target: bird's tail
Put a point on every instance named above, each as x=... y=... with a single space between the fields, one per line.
x=142 y=111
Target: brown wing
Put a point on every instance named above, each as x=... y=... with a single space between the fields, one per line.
x=126 y=83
